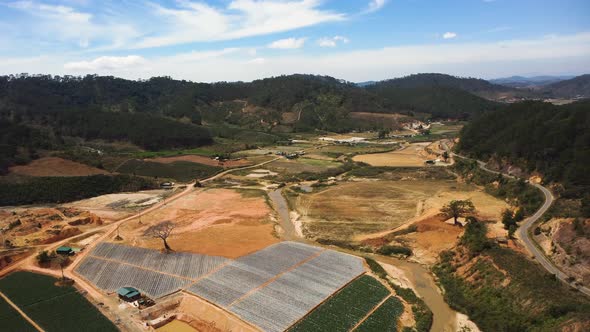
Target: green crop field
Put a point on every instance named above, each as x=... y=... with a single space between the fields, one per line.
x=10 y=320
x=178 y=170
x=385 y=318
x=53 y=308
x=345 y=309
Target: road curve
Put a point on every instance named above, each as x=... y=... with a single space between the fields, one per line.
x=524 y=231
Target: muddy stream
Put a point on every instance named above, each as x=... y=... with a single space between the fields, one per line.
x=444 y=319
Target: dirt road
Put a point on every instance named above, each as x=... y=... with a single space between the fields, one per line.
x=524 y=231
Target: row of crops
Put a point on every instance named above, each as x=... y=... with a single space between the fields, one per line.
x=292 y=295
x=110 y=276
x=272 y=288
x=53 y=308
x=349 y=306
x=250 y=272
x=186 y=265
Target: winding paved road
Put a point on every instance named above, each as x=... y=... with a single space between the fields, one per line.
x=524 y=231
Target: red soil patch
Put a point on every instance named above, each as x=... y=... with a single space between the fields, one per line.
x=202 y=160
x=53 y=166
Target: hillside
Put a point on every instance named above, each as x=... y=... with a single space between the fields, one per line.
x=573 y=88
x=528 y=82
x=538 y=137
x=439 y=101
x=479 y=87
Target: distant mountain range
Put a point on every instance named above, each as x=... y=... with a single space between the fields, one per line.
x=529 y=82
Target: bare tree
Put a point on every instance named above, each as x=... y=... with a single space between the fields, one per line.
x=161 y=231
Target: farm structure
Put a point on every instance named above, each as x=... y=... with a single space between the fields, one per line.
x=271 y=289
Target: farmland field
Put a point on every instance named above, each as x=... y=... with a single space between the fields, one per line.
x=178 y=170
x=351 y=209
x=385 y=318
x=111 y=266
x=12 y=320
x=53 y=308
x=346 y=308
x=409 y=156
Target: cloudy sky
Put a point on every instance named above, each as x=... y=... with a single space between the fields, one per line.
x=356 y=40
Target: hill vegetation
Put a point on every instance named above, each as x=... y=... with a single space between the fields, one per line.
x=41 y=112
x=501 y=290
x=576 y=87
x=541 y=137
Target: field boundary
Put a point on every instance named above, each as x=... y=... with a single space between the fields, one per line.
x=22 y=313
x=371 y=312
x=327 y=299
x=269 y=281
x=225 y=310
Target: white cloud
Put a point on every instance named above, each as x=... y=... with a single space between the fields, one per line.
x=58 y=23
x=551 y=55
x=193 y=22
x=288 y=43
x=449 y=35
x=375 y=5
x=332 y=41
x=106 y=63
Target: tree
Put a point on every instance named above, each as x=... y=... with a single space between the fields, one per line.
x=161 y=231
x=445 y=156
x=508 y=219
x=458 y=208
x=383 y=133
x=43 y=257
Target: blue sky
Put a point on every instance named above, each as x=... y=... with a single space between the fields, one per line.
x=357 y=40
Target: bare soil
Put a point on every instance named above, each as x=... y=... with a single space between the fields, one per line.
x=218 y=222
x=53 y=166
x=412 y=155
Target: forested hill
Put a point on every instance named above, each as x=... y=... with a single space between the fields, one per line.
x=554 y=140
x=439 y=101
x=576 y=87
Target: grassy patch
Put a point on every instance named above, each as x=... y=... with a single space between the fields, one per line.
x=183 y=171
x=345 y=309
x=53 y=308
x=385 y=318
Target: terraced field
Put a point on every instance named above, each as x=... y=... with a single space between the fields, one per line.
x=53 y=308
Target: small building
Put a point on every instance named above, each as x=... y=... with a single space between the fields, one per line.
x=66 y=251
x=166 y=185
x=430 y=162
x=128 y=294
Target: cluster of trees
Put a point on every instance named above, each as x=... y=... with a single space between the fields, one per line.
x=510 y=220
x=552 y=140
x=67 y=189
